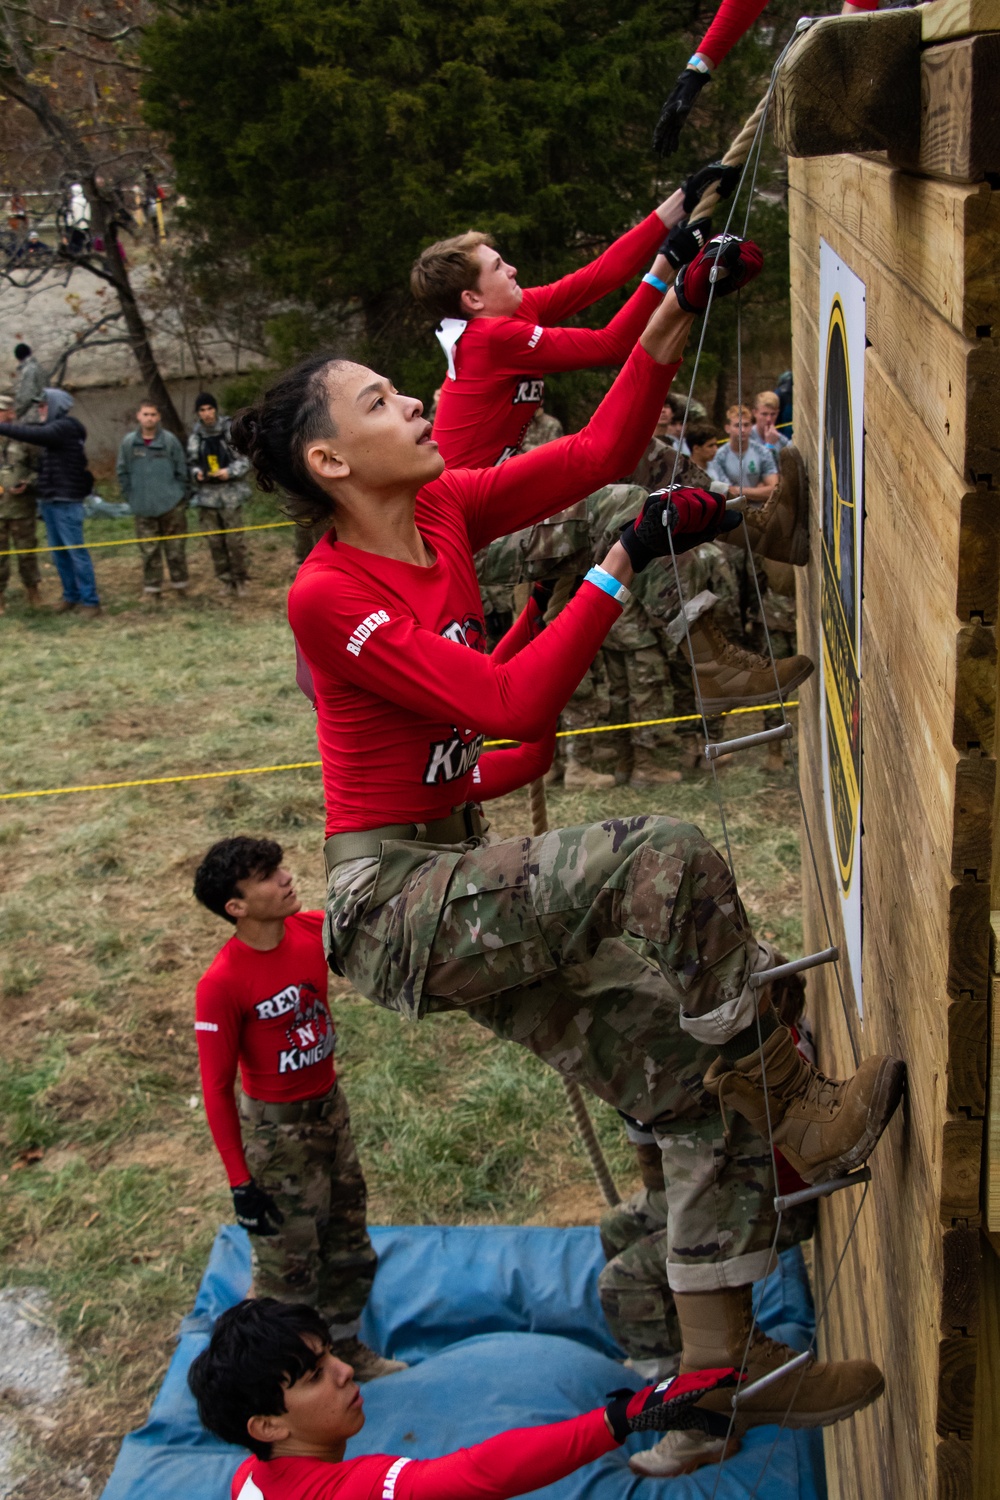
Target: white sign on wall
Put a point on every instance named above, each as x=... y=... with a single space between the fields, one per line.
x=841 y=467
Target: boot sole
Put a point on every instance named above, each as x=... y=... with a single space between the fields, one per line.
x=885 y=1101
x=756 y=700
x=804 y=1421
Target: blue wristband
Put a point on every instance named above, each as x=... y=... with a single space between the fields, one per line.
x=602 y=580
x=699 y=63
x=661 y=286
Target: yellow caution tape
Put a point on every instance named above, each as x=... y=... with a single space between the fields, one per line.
x=133 y=541
x=311 y=765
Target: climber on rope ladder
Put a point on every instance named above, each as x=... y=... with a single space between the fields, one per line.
x=424 y=914
x=732 y=20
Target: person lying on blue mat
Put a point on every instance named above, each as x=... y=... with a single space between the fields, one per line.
x=269 y=1381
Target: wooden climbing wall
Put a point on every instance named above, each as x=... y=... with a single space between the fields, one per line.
x=920 y=1287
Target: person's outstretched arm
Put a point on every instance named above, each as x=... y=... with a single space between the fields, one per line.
x=43 y=435
x=512 y=1463
x=630 y=254
x=531 y=486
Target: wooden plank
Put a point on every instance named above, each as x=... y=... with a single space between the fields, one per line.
x=938 y=238
x=986 y=1470
x=960 y=1285
x=954 y=1465
x=956 y=1387
x=949 y=381
x=967 y=1057
x=962 y=1146
x=991 y=1182
x=959 y=117
x=943 y=20
x=972 y=844
x=975 y=689
x=979 y=556
x=851 y=83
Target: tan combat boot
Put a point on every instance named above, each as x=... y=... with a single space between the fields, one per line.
x=822 y=1126
x=366 y=1364
x=730 y=676
x=645 y=772
x=681 y=1452
x=33 y=596
x=579 y=776
x=779 y=529
x=716 y=1327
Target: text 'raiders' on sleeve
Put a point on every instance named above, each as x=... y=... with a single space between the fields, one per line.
x=385 y=652
x=531 y=486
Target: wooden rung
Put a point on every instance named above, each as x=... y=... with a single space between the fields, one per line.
x=811 y=961
x=820 y=1190
x=788 y=1368
x=715 y=748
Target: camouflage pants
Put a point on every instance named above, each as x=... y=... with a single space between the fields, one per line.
x=638 y=689
x=712 y=1226
x=152 y=549
x=322 y=1255
x=19 y=531
x=229 y=552
x=509 y=930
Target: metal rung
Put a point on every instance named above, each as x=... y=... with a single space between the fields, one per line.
x=811 y=961
x=821 y=1190
x=715 y=748
x=772 y=1377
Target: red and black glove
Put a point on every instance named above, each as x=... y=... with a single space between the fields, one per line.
x=675 y=520
x=680 y=102
x=738 y=262
x=684 y=241
x=671 y=1405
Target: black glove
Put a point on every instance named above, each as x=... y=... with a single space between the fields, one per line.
x=724 y=179
x=671 y=1405
x=741 y=259
x=679 y=104
x=254 y=1208
x=675 y=520
x=685 y=240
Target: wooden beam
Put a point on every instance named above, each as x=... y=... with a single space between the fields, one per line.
x=851 y=83
x=939 y=239
x=991 y=1174
x=959 y=134
x=944 y=20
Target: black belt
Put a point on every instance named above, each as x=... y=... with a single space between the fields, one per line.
x=464 y=823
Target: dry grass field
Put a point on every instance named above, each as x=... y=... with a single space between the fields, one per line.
x=110 y=1185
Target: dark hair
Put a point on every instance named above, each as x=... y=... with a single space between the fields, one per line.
x=256 y=1351
x=21 y=351
x=699 y=433
x=205 y=398
x=217 y=878
x=274 y=433
x=677 y=405
x=148 y=401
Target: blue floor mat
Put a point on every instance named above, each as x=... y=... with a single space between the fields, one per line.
x=503 y=1328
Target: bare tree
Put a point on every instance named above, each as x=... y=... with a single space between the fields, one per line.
x=72 y=67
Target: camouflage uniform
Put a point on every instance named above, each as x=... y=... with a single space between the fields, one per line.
x=543 y=428
x=322 y=1254
x=18 y=463
x=510 y=933
x=639 y=1238
x=221 y=504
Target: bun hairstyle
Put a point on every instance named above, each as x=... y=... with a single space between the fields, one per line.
x=275 y=432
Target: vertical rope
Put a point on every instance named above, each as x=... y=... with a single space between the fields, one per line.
x=575 y=1099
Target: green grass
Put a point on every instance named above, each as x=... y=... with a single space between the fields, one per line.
x=101 y=945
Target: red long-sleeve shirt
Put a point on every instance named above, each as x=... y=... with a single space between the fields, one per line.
x=512 y=1463
x=402 y=702
x=500 y=363
x=268 y=1013
x=734 y=18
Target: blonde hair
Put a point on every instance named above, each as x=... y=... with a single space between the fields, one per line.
x=734 y=412
x=442 y=272
x=768 y=398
